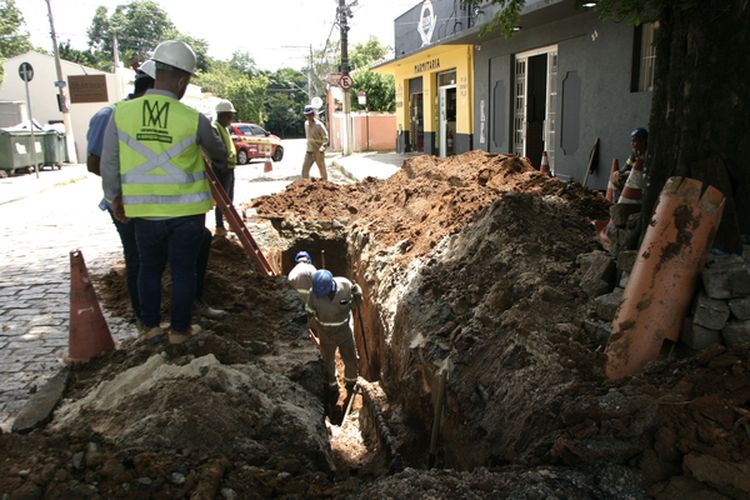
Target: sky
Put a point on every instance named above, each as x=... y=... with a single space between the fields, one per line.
x=276 y=33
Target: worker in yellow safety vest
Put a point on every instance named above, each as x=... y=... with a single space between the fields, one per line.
x=224 y=170
x=153 y=174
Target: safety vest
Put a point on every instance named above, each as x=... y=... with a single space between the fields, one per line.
x=232 y=153
x=161 y=166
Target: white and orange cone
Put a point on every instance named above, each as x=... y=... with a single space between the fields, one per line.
x=633 y=189
x=544 y=167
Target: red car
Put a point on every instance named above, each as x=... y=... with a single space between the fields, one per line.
x=253 y=141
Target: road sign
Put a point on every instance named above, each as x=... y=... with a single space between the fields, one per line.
x=316 y=102
x=26 y=72
x=346 y=82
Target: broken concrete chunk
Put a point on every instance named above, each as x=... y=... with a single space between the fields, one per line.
x=728 y=477
x=598 y=331
x=600 y=275
x=740 y=308
x=710 y=313
x=698 y=337
x=736 y=332
x=726 y=277
x=39 y=409
x=620 y=212
x=606 y=305
x=626 y=259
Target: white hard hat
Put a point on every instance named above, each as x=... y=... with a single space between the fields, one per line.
x=148 y=68
x=225 y=106
x=176 y=54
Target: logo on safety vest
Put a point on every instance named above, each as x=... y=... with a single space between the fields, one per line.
x=155 y=118
x=155 y=115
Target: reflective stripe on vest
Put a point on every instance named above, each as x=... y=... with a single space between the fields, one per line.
x=339 y=323
x=162 y=170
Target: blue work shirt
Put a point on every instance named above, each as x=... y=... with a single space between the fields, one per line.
x=97 y=126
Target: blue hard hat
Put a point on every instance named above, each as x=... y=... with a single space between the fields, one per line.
x=639 y=134
x=322 y=283
x=302 y=255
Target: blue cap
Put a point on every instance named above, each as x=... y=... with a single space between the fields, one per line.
x=309 y=110
x=639 y=134
x=303 y=255
x=322 y=283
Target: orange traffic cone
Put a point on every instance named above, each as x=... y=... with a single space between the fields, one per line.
x=610 y=185
x=268 y=165
x=544 y=167
x=89 y=334
x=632 y=191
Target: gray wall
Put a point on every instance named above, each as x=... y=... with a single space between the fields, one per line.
x=452 y=18
x=599 y=56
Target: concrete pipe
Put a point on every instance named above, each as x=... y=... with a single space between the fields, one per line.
x=665 y=274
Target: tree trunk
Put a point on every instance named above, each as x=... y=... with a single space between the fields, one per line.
x=700 y=116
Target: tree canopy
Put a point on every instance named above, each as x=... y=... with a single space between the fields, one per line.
x=13 y=41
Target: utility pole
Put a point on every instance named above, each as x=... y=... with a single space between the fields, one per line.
x=344 y=25
x=310 y=94
x=67 y=122
x=116 y=51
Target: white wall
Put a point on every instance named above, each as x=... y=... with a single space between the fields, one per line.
x=44 y=93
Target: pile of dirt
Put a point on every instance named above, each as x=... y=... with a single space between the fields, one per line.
x=236 y=411
x=470 y=267
x=428 y=199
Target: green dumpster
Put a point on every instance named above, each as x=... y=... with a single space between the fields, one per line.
x=54 y=148
x=17 y=151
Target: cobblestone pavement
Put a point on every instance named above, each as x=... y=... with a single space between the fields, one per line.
x=39 y=229
x=42 y=221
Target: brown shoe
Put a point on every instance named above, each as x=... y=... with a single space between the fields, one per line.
x=220 y=232
x=152 y=335
x=176 y=337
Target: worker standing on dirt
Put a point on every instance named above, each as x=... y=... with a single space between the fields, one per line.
x=144 y=80
x=329 y=304
x=153 y=172
x=224 y=170
x=301 y=275
x=317 y=140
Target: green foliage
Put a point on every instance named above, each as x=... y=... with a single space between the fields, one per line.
x=12 y=40
x=85 y=57
x=287 y=97
x=362 y=55
x=247 y=94
x=139 y=27
x=244 y=63
x=380 y=89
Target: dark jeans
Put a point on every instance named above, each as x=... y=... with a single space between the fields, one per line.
x=225 y=177
x=202 y=264
x=177 y=241
x=130 y=252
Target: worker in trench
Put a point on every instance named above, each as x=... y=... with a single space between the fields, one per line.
x=301 y=275
x=639 y=143
x=329 y=304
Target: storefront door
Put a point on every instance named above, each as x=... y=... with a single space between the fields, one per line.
x=535 y=104
x=447 y=112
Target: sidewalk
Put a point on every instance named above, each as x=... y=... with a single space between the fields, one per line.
x=370 y=164
x=20 y=186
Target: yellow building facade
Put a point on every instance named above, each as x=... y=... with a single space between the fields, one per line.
x=434 y=99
